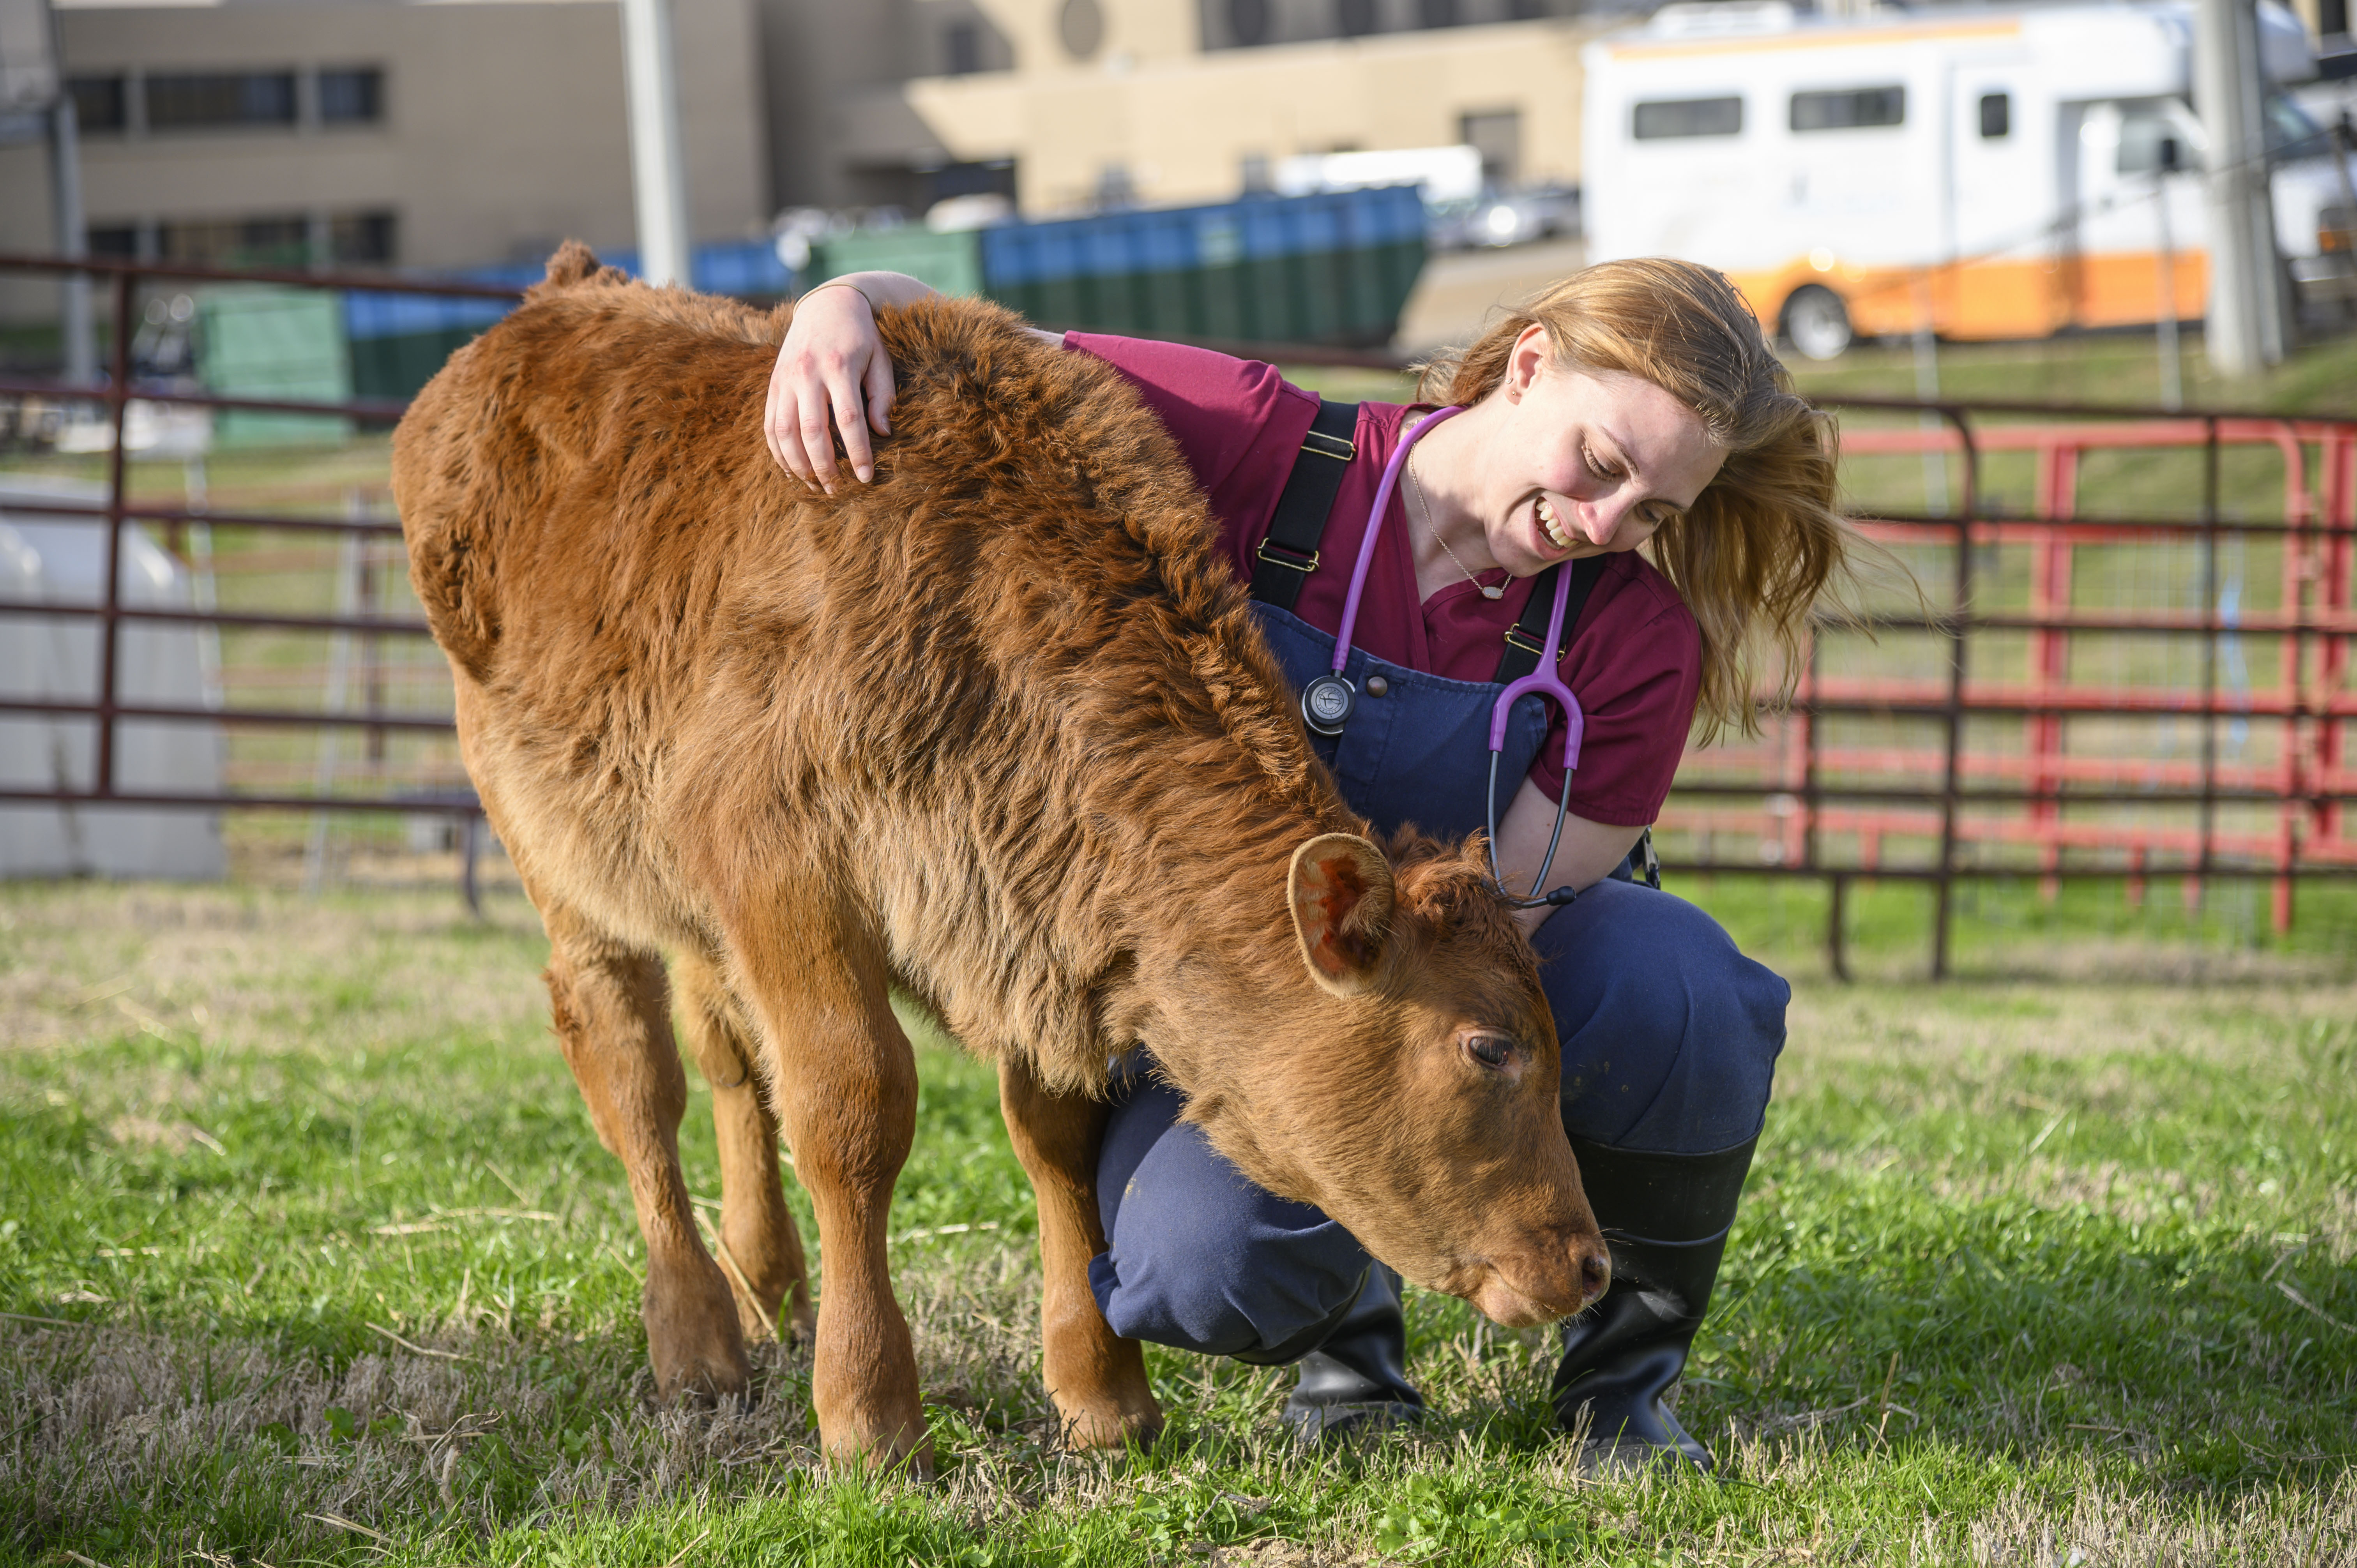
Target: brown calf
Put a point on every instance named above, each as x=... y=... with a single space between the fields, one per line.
x=994 y=730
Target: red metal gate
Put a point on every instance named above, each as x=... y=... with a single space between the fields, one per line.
x=2000 y=753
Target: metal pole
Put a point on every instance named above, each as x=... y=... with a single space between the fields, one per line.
x=1959 y=650
x=73 y=240
x=2172 y=363
x=658 y=170
x=110 y=624
x=2246 y=327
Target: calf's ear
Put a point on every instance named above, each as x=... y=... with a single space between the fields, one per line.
x=1341 y=889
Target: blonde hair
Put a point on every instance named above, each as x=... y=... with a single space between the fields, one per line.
x=1763 y=540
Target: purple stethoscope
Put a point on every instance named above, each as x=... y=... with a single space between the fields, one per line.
x=1328 y=701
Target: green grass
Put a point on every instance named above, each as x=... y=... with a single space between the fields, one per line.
x=2028 y=1266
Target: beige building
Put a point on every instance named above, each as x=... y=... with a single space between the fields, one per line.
x=380 y=132
x=441 y=133
x=1066 y=102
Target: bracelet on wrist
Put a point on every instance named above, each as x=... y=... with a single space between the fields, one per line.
x=837 y=283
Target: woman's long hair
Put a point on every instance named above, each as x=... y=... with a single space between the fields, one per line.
x=1752 y=553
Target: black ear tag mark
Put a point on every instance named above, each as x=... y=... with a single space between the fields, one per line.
x=1327 y=703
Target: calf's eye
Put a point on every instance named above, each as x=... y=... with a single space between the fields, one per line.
x=1490 y=1050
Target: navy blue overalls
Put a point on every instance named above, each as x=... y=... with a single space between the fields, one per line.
x=1670 y=1037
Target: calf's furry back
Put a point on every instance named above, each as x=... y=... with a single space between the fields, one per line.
x=1000 y=705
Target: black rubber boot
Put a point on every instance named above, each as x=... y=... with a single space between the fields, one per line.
x=1665 y=1217
x=1357 y=1380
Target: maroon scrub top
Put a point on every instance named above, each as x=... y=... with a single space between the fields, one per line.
x=1634 y=660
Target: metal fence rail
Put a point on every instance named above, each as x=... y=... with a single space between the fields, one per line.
x=1980 y=734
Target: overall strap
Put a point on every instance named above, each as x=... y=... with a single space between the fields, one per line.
x=1527 y=638
x=1289 y=553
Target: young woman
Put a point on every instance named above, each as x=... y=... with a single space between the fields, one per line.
x=1634 y=403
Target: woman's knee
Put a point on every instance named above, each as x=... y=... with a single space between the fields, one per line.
x=1669 y=1035
x=1198 y=1257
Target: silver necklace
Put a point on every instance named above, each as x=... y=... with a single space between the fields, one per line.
x=1424 y=516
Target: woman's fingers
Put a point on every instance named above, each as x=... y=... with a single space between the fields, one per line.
x=880 y=392
x=781 y=421
x=812 y=408
x=851 y=419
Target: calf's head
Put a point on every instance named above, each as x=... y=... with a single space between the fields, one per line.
x=1418 y=1103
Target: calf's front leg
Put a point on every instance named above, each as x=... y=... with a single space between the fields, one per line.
x=1096 y=1377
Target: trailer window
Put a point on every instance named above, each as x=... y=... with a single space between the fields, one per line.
x=1996 y=116
x=1666 y=117
x=1849 y=108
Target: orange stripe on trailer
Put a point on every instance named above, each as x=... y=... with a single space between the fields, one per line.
x=1995 y=298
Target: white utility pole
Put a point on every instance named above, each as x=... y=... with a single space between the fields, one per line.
x=658 y=170
x=73 y=240
x=2247 y=326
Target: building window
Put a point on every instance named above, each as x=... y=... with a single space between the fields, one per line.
x=1996 y=116
x=1356 y=17
x=1080 y=26
x=193 y=101
x=1668 y=117
x=1849 y=109
x=1248 y=21
x=960 y=48
x=115 y=241
x=351 y=96
x=274 y=241
x=1498 y=137
x=988 y=177
x=1437 y=13
x=100 y=102
x=361 y=237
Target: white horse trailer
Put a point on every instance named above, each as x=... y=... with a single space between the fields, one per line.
x=1985 y=172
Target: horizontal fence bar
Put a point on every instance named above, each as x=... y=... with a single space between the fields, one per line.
x=381 y=411
x=1991 y=528
x=2195 y=418
x=460 y=806
x=77 y=511
x=1918 y=794
x=370 y=282
x=363 y=624
x=423 y=721
x=2012 y=873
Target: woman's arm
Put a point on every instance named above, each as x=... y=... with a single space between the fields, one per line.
x=1588 y=852
x=833 y=368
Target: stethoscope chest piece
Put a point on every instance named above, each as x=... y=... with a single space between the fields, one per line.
x=1326 y=703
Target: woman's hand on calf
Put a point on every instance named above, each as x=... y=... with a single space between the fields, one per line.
x=833 y=375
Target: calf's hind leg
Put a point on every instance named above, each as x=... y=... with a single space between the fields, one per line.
x=612 y=1017
x=844 y=1085
x=1096 y=1377
x=762 y=1250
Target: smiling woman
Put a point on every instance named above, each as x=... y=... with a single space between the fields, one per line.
x=1408 y=566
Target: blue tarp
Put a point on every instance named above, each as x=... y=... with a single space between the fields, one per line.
x=747 y=268
x=1112 y=245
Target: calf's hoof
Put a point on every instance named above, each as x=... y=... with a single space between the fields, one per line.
x=1108 y=1428
x=692 y=1336
x=902 y=1451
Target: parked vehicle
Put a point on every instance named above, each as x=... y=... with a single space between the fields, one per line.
x=1984 y=171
